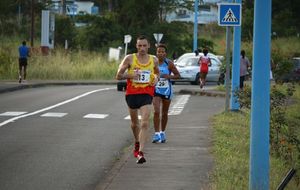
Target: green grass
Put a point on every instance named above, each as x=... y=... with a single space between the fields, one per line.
x=231 y=152
x=231 y=134
x=84 y=65
x=221 y=88
x=72 y=66
x=59 y=65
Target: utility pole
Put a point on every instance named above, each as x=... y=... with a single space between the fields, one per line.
x=19 y=15
x=32 y=24
x=110 y=6
x=63 y=3
x=259 y=171
x=195 y=43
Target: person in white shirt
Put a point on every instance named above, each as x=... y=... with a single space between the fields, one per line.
x=244 y=66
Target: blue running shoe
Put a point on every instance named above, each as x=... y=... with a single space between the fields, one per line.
x=163 y=137
x=156 y=138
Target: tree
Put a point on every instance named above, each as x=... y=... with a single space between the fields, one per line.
x=166 y=6
x=285 y=18
x=134 y=14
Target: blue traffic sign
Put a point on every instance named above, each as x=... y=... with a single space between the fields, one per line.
x=230 y=14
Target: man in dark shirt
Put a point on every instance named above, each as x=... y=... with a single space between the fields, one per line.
x=23 y=55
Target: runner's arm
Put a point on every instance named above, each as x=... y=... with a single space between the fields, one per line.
x=156 y=71
x=199 y=61
x=174 y=70
x=124 y=65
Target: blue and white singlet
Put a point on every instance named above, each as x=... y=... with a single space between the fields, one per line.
x=164 y=86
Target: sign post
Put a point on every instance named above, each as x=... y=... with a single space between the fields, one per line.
x=158 y=37
x=235 y=83
x=127 y=39
x=229 y=15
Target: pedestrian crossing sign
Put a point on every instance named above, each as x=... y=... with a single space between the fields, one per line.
x=230 y=14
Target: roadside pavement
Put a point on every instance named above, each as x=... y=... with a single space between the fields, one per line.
x=184 y=162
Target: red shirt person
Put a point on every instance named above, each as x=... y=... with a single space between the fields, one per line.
x=204 y=63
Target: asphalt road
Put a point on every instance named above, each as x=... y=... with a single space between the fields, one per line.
x=51 y=145
x=64 y=137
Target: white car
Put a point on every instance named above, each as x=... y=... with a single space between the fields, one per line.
x=189 y=69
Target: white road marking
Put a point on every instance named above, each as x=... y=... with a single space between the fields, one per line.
x=53 y=106
x=12 y=113
x=128 y=117
x=176 y=107
x=96 y=116
x=179 y=104
x=53 y=114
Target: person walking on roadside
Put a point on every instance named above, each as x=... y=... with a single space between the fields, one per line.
x=204 y=63
x=23 y=55
x=163 y=93
x=142 y=71
x=244 y=66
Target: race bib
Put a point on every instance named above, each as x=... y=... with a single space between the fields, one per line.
x=162 y=83
x=144 y=77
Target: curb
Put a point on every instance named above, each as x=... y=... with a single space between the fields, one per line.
x=203 y=93
x=15 y=87
x=22 y=86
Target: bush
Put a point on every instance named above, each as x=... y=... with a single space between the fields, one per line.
x=64 y=30
x=100 y=33
x=284 y=130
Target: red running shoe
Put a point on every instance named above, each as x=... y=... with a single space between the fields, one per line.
x=140 y=158
x=136 y=149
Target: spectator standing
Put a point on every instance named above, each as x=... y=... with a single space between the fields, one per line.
x=244 y=66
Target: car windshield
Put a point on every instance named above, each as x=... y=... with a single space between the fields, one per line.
x=188 y=61
x=193 y=61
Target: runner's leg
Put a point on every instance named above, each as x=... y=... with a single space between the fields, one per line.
x=156 y=119
x=165 y=110
x=145 y=114
x=25 y=66
x=134 y=123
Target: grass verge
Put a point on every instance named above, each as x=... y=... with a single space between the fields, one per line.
x=231 y=137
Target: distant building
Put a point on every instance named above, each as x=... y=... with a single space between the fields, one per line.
x=73 y=7
x=84 y=7
x=208 y=13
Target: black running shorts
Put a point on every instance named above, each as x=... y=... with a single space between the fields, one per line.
x=22 y=62
x=135 y=101
x=165 y=97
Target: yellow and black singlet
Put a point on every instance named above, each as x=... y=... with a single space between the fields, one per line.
x=146 y=76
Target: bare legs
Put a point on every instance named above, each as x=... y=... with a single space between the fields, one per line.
x=156 y=119
x=22 y=72
x=157 y=102
x=202 y=81
x=140 y=134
